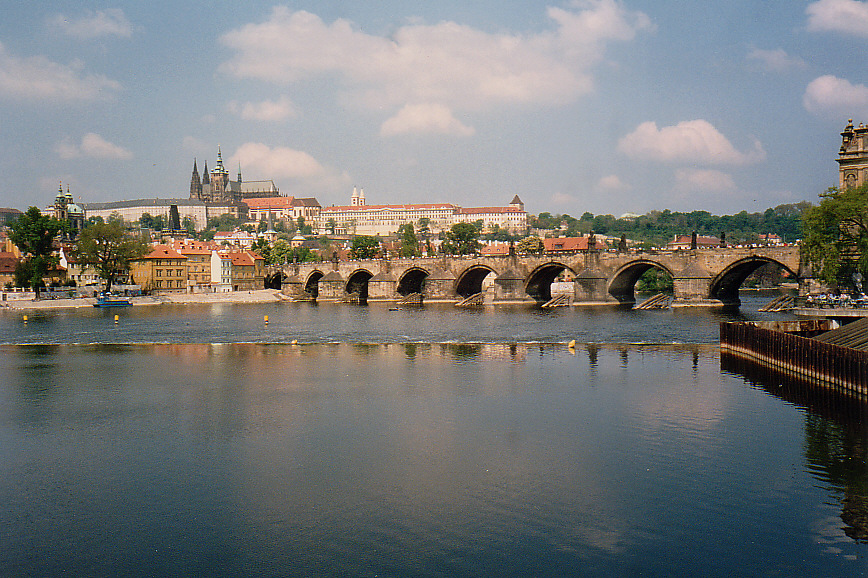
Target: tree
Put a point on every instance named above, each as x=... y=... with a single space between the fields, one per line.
x=33 y=233
x=461 y=239
x=530 y=245
x=281 y=252
x=365 y=247
x=409 y=242
x=109 y=249
x=835 y=235
x=302 y=228
x=262 y=247
x=189 y=226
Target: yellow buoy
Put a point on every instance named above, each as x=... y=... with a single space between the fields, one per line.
x=266 y=318
x=25 y=319
x=116 y=318
x=572 y=344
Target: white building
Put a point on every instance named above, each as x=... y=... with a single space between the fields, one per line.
x=131 y=211
x=360 y=218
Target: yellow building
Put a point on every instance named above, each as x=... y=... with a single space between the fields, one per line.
x=163 y=270
x=248 y=270
x=198 y=265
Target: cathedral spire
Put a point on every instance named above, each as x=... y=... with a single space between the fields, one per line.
x=239 y=171
x=195 y=183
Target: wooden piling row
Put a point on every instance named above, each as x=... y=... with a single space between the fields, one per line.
x=827 y=365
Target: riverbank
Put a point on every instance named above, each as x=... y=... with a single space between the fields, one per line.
x=257 y=296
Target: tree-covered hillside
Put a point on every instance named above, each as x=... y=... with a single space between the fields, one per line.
x=659 y=227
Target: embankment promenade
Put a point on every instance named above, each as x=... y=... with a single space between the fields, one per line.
x=257 y=296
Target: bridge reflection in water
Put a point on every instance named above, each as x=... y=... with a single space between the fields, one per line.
x=836 y=435
x=709 y=276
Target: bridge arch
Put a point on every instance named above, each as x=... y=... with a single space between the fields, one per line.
x=726 y=284
x=622 y=285
x=357 y=284
x=539 y=283
x=412 y=281
x=311 y=284
x=275 y=280
x=470 y=280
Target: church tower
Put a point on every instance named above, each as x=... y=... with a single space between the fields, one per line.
x=853 y=156
x=195 y=184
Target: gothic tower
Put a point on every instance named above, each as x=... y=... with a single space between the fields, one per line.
x=195 y=184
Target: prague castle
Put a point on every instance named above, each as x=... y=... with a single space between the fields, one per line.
x=216 y=187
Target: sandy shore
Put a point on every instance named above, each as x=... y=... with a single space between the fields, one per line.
x=258 y=296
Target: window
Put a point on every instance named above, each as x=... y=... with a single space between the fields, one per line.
x=159 y=273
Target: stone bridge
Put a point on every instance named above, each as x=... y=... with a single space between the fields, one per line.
x=708 y=276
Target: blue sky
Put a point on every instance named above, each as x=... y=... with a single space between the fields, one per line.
x=590 y=105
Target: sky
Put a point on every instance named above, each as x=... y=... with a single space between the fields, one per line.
x=604 y=106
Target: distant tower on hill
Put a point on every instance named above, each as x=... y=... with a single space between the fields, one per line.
x=358 y=198
x=853 y=156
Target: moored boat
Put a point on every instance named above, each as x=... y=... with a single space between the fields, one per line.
x=109 y=300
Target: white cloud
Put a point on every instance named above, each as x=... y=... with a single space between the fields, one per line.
x=704 y=180
x=612 y=183
x=92 y=146
x=111 y=22
x=265 y=111
x=425 y=118
x=776 y=60
x=847 y=16
x=693 y=141
x=835 y=96
x=562 y=199
x=445 y=63
x=259 y=161
x=37 y=77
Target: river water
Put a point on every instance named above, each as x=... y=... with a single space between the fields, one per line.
x=433 y=441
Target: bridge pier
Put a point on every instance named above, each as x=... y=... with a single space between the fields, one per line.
x=383 y=287
x=692 y=287
x=332 y=287
x=591 y=286
x=439 y=285
x=509 y=288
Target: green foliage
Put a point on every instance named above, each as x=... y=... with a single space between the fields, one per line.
x=409 y=241
x=365 y=247
x=530 y=245
x=189 y=225
x=146 y=221
x=655 y=281
x=225 y=222
x=262 y=247
x=304 y=229
x=109 y=249
x=461 y=239
x=34 y=233
x=659 y=227
x=835 y=238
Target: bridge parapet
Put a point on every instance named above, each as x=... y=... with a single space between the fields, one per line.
x=700 y=276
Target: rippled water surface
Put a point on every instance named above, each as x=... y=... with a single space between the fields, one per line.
x=427 y=442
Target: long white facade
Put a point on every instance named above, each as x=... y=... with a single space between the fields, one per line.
x=361 y=219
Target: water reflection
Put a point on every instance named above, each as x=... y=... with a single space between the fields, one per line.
x=397 y=459
x=836 y=436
